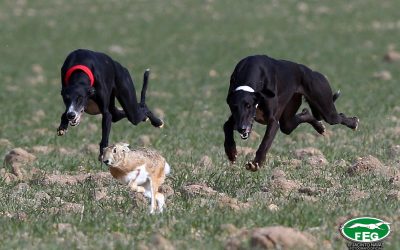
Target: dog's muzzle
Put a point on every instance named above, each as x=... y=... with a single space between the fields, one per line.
x=74 y=117
x=245 y=132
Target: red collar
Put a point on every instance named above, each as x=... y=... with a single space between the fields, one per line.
x=84 y=68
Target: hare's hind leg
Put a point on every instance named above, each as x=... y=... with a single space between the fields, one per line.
x=160 y=201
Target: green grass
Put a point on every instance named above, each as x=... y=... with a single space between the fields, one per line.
x=181 y=41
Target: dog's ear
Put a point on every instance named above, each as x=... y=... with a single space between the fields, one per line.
x=231 y=89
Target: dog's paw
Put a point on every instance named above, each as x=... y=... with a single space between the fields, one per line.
x=252 y=166
x=320 y=128
x=61 y=131
x=158 y=123
x=356 y=122
x=231 y=153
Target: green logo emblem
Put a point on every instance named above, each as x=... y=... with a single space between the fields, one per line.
x=365 y=229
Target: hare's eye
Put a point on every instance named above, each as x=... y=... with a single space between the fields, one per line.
x=115 y=150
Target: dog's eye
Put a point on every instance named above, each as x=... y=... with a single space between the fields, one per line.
x=248 y=106
x=79 y=99
x=115 y=150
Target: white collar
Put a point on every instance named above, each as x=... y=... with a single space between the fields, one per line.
x=245 y=88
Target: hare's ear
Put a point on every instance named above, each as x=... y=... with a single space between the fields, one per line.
x=125 y=147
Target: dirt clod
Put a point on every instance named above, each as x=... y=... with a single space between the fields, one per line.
x=92 y=148
x=312 y=156
x=273 y=207
x=356 y=195
x=383 y=75
x=275 y=237
x=223 y=200
x=100 y=193
x=206 y=161
x=368 y=164
x=392 y=56
x=161 y=243
x=42 y=149
x=19 y=156
x=144 y=140
x=5 y=142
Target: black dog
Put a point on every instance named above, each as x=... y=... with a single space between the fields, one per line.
x=270 y=92
x=90 y=82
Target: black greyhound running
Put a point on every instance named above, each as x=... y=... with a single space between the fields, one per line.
x=270 y=92
x=90 y=83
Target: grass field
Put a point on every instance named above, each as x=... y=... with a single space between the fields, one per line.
x=192 y=48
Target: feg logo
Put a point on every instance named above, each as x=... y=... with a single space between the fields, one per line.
x=365 y=229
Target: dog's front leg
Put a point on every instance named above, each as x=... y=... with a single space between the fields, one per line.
x=272 y=129
x=229 y=143
x=106 y=127
x=62 y=129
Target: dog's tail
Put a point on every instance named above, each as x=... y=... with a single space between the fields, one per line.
x=144 y=88
x=336 y=95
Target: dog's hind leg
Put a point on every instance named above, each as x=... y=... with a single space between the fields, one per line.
x=290 y=120
x=155 y=121
x=126 y=96
x=116 y=113
x=321 y=99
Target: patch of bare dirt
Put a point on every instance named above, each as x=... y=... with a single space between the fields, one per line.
x=206 y=161
x=312 y=156
x=392 y=56
x=19 y=156
x=368 y=164
x=22 y=216
x=280 y=184
x=395 y=180
x=223 y=200
x=274 y=237
x=42 y=149
x=100 y=194
x=384 y=75
x=356 y=195
x=65 y=179
x=393 y=195
x=64 y=228
x=67 y=151
x=198 y=190
x=159 y=242
x=19 y=160
x=166 y=190
x=144 y=140
x=5 y=143
x=273 y=207
x=67 y=207
x=92 y=148
x=394 y=151
x=7 y=177
x=139 y=200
